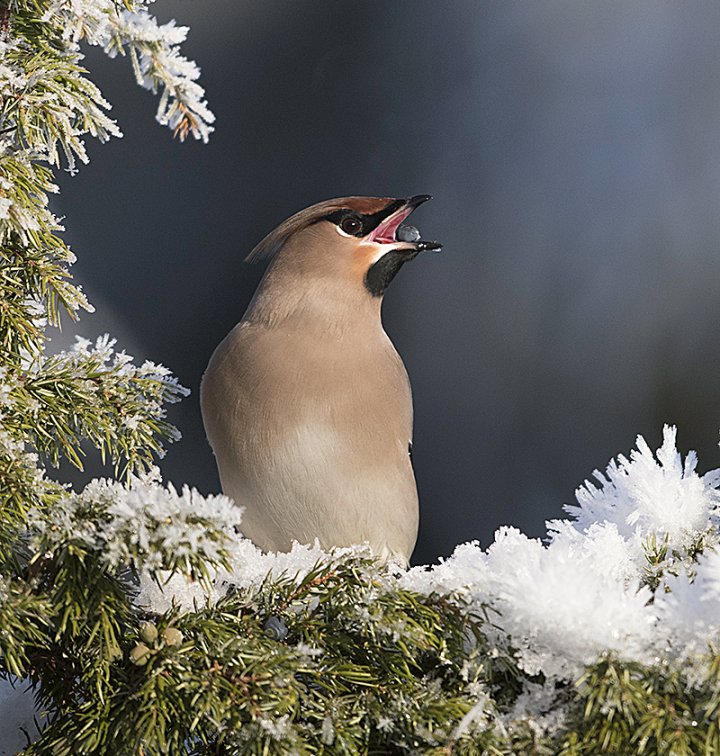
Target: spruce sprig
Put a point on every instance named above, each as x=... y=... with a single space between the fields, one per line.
x=339 y=681
x=631 y=708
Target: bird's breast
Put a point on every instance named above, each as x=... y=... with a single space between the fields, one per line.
x=274 y=384
x=311 y=437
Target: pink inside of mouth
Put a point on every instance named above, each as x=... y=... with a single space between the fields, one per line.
x=385 y=232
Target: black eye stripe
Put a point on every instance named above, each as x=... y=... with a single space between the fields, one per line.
x=340 y=216
x=369 y=222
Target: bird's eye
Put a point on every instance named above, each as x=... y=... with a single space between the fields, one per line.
x=351 y=226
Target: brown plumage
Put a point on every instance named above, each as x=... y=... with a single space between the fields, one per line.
x=306 y=403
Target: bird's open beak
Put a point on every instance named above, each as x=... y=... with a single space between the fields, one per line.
x=386 y=232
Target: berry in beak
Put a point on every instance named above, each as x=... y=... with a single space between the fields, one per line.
x=391 y=229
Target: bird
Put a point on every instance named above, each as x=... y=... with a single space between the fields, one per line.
x=306 y=403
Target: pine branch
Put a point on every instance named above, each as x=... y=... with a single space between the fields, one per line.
x=336 y=682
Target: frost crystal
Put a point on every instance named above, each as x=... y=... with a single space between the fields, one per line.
x=563 y=604
x=154 y=52
x=246 y=566
x=476 y=717
x=158 y=62
x=651 y=494
x=144 y=525
x=278 y=729
x=690 y=609
x=561 y=607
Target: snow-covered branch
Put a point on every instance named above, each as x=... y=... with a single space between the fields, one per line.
x=154 y=50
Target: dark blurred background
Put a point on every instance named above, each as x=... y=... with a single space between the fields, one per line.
x=573 y=150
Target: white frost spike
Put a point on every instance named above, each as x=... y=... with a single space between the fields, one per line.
x=690 y=610
x=556 y=598
x=562 y=605
x=558 y=604
x=649 y=494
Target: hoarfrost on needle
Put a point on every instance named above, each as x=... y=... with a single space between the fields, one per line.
x=144 y=524
x=565 y=603
x=689 y=608
x=651 y=494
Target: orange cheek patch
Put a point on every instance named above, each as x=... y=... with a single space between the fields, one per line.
x=362 y=259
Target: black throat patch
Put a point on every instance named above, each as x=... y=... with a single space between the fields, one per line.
x=379 y=275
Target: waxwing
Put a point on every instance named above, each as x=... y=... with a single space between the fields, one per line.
x=306 y=403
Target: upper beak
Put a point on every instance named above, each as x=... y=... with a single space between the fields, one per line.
x=395 y=213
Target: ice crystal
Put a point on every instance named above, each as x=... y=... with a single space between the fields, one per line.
x=651 y=493
x=689 y=607
x=583 y=594
x=143 y=525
